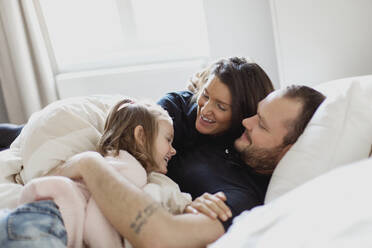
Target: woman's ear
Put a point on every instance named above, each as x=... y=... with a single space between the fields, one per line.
x=139 y=135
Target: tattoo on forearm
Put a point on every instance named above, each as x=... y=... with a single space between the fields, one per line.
x=143 y=216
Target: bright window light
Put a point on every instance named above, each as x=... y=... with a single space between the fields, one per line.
x=92 y=34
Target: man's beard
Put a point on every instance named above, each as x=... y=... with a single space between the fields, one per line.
x=262 y=160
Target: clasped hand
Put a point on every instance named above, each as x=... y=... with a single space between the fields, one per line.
x=212 y=205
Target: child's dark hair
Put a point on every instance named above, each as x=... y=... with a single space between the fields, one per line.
x=118 y=133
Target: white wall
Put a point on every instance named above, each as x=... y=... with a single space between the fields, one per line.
x=315 y=41
x=148 y=81
x=242 y=28
x=235 y=28
x=322 y=40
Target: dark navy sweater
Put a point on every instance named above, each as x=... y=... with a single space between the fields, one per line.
x=205 y=163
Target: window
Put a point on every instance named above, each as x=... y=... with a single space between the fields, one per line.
x=92 y=34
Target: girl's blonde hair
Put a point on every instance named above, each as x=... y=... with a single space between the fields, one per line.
x=118 y=133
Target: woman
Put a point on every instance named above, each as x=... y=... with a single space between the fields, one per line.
x=207 y=123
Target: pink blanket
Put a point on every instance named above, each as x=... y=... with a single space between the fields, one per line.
x=84 y=222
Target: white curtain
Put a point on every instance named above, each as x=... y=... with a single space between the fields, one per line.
x=26 y=68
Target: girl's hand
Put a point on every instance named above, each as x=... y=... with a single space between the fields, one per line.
x=72 y=167
x=210 y=205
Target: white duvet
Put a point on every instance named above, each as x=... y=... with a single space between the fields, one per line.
x=49 y=138
x=331 y=211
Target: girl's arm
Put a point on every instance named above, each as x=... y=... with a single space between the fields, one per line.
x=134 y=214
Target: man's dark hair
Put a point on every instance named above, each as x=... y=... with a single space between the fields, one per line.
x=310 y=99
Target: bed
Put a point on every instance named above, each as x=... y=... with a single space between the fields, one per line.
x=318 y=194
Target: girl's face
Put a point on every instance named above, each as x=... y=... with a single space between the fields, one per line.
x=163 y=146
x=214 y=108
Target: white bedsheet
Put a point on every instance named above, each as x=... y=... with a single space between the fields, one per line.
x=331 y=211
x=51 y=136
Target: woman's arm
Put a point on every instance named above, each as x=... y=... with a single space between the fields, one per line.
x=134 y=214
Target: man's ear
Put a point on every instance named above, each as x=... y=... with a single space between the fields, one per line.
x=139 y=135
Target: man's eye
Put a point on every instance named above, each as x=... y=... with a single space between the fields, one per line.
x=261 y=126
x=205 y=95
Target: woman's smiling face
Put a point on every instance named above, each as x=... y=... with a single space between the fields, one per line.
x=214 y=108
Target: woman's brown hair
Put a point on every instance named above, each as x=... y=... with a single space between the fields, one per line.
x=248 y=84
x=118 y=133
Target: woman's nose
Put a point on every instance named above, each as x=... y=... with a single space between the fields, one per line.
x=207 y=107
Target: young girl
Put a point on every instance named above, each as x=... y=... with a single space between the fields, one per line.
x=137 y=141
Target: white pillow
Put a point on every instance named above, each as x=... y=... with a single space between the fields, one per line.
x=339 y=133
x=61 y=130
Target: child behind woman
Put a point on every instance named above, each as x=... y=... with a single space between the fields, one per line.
x=137 y=141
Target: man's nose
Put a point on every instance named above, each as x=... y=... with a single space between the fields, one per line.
x=248 y=123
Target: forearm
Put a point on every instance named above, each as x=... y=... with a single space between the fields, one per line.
x=194 y=230
x=138 y=218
